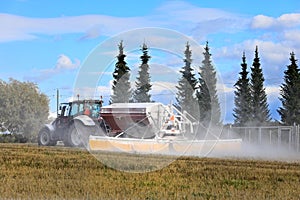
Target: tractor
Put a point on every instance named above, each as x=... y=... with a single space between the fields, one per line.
x=75 y=122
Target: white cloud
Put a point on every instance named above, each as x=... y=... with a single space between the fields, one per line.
x=285 y=20
x=289 y=20
x=270 y=51
x=91 y=92
x=180 y=15
x=262 y=21
x=199 y=21
x=183 y=11
x=274 y=56
x=93 y=32
x=16 y=27
x=273 y=91
x=63 y=63
x=293 y=36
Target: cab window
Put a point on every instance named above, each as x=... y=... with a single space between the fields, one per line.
x=76 y=109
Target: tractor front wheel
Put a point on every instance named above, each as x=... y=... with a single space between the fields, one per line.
x=44 y=138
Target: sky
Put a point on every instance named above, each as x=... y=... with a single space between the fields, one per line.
x=50 y=42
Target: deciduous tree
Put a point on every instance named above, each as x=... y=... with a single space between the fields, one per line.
x=23 y=109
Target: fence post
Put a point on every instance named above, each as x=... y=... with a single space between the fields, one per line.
x=229 y=130
x=259 y=135
x=249 y=135
x=290 y=138
x=279 y=137
x=297 y=138
x=270 y=136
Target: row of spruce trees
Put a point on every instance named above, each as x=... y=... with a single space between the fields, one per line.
x=198 y=95
x=251 y=107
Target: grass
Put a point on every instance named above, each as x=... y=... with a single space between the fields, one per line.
x=32 y=172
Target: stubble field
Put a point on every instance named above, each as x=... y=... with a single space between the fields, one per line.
x=32 y=172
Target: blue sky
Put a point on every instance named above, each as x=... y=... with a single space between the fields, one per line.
x=47 y=42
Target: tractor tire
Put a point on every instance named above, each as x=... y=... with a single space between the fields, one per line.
x=72 y=138
x=44 y=138
x=85 y=132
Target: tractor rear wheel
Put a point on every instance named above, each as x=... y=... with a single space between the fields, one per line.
x=72 y=138
x=44 y=138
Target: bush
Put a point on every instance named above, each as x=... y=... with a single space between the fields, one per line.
x=12 y=138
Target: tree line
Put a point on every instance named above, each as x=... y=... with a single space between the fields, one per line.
x=198 y=95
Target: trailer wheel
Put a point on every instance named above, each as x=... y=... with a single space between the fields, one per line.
x=44 y=138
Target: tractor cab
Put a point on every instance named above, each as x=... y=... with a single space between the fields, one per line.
x=91 y=108
x=86 y=107
x=68 y=111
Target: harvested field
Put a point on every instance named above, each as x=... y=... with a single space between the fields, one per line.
x=32 y=172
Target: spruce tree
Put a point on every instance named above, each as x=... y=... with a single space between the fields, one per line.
x=207 y=94
x=290 y=94
x=143 y=86
x=186 y=86
x=204 y=102
x=242 y=99
x=121 y=83
x=260 y=111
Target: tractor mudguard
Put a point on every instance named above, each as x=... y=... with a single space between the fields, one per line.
x=86 y=120
x=50 y=127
